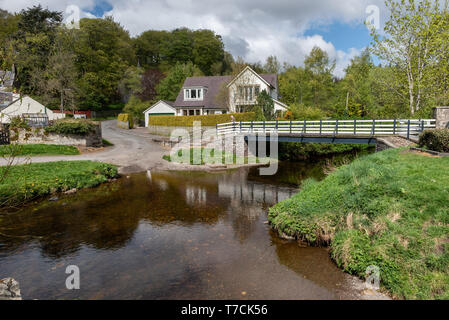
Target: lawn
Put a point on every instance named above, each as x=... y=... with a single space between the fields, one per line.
x=38 y=150
x=389 y=209
x=27 y=182
x=208 y=154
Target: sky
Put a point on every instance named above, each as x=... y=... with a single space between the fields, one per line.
x=252 y=29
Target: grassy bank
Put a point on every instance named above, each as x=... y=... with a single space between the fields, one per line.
x=38 y=150
x=389 y=209
x=208 y=154
x=27 y=182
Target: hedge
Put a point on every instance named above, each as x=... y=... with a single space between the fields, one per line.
x=206 y=121
x=127 y=118
x=79 y=127
x=435 y=140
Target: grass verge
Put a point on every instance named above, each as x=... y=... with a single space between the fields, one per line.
x=38 y=150
x=388 y=209
x=27 y=182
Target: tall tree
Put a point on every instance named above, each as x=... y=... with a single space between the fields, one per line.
x=170 y=86
x=272 y=65
x=412 y=43
x=208 y=49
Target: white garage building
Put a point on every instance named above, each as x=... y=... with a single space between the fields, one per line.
x=161 y=108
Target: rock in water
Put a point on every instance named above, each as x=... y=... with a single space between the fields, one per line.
x=9 y=289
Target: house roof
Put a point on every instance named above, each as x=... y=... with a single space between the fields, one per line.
x=213 y=85
x=169 y=103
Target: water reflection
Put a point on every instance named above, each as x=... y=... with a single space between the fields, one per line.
x=161 y=235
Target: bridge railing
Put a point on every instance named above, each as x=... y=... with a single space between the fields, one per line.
x=396 y=127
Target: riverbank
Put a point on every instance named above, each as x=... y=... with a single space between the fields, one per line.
x=389 y=210
x=24 y=183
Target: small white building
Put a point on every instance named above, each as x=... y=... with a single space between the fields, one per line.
x=21 y=106
x=161 y=108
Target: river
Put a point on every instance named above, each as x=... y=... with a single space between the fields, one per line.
x=170 y=235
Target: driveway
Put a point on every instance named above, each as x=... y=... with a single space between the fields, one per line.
x=133 y=151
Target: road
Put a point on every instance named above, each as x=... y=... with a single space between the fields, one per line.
x=133 y=151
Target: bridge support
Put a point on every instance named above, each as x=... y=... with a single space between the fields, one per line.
x=441 y=115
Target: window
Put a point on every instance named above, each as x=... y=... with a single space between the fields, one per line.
x=248 y=93
x=193 y=94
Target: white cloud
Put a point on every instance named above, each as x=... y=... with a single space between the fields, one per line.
x=252 y=28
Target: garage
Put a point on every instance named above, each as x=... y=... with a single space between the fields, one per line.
x=161 y=108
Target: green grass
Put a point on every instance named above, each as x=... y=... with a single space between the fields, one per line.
x=389 y=209
x=205 y=153
x=38 y=150
x=107 y=143
x=27 y=182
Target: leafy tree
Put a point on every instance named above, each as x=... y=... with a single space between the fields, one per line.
x=272 y=65
x=170 y=86
x=266 y=104
x=208 y=49
x=178 y=47
x=149 y=47
x=414 y=41
x=150 y=80
x=292 y=85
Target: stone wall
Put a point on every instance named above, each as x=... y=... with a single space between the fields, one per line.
x=167 y=131
x=39 y=136
x=441 y=114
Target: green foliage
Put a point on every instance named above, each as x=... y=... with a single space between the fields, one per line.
x=206 y=121
x=303 y=151
x=27 y=182
x=135 y=107
x=170 y=86
x=388 y=209
x=72 y=126
x=301 y=112
x=37 y=149
x=18 y=123
x=435 y=140
x=266 y=104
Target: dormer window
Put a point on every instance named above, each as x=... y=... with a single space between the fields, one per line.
x=194 y=94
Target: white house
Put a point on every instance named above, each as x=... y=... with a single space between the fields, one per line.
x=161 y=108
x=21 y=106
x=201 y=95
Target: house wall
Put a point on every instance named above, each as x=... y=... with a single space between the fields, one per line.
x=159 y=108
x=27 y=105
x=247 y=78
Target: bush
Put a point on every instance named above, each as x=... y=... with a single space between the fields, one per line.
x=435 y=140
x=126 y=117
x=80 y=127
x=206 y=121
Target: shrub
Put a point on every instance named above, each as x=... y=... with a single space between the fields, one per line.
x=71 y=126
x=207 y=121
x=126 y=117
x=435 y=140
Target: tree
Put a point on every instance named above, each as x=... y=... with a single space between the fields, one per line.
x=208 y=49
x=169 y=87
x=272 y=65
x=319 y=68
x=266 y=104
x=148 y=48
x=413 y=43
x=292 y=85
x=150 y=80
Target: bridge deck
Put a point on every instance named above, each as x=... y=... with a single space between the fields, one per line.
x=334 y=131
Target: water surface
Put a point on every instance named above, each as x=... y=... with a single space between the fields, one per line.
x=169 y=235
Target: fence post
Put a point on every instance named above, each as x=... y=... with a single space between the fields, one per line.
x=291 y=129
x=277 y=125
x=264 y=127
x=336 y=128
x=216 y=128
x=321 y=127
x=394 y=127
x=408 y=129
x=422 y=125
x=304 y=130
x=355 y=127
x=240 y=126
x=373 y=132
x=233 y=126
x=252 y=126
